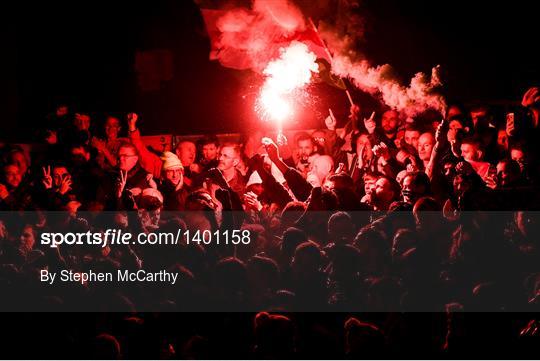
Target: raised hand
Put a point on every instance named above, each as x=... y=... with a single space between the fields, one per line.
x=360 y=162
x=442 y=130
x=151 y=182
x=47 y=179
x=281 y=140
x=381 y=150
x=132 y=121
x=531 y=97
x=510 y=124
x=252 y=202
x=370 y=123
x=455 y=146
x=51 y=137
x=491 y=181
x=464 y=168
x=121 y=183
x=65 y=185
x=271 y=149
x=3 y=191
x=330 y=121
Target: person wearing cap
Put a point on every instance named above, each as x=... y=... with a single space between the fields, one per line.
x=172 y=185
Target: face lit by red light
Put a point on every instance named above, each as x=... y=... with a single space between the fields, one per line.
x=18 y=158
x=518 y=156
x=59 y=173
x=363 y=146
x=411 y=137
x=454 y=111
x=175 y=175
x=502 y=139
x=390 y=121
x=210 y=152
x=228 y=158
x=461 y=185
x=505 y=176
x=369 y=184
x=453 y=129
x=128 y=158
x=306 y=148
x=425 y=146
x=186 y=151
x=82 y=121
x=27 y=239
x=479 y=116
x=470 y=152
x=12 y=175
x=62 y=110
x=383 y=191
x=112 y=127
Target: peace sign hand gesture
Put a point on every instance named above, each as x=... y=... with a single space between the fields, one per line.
x=122 y=183
x=47 y=179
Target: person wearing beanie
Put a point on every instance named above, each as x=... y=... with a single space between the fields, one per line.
x=172 y=186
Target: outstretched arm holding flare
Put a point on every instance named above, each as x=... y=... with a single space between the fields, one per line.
x=298 y=184
x=437 y=153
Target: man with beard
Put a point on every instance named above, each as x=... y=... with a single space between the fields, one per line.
x=387 y=133
x=308 y=150
x=411 y=136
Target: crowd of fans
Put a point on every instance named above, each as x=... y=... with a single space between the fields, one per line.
x=384 y=214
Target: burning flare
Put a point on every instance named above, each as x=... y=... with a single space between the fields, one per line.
x=285 y=77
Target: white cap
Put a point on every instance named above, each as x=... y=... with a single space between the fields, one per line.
x=171 y=161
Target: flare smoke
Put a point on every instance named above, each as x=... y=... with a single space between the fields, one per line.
x=257 y=36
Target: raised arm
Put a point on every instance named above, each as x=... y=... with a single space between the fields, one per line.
x=437 y=153
x=299 y=186
x=149 y=161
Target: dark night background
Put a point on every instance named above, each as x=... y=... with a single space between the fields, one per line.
x=83 y=53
